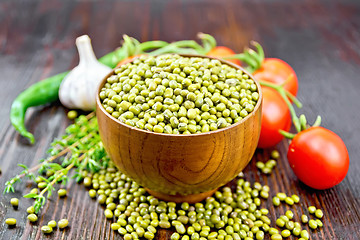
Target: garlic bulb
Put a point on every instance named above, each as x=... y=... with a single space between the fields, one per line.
x=78 y=89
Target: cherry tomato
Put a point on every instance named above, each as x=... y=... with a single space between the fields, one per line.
x=277 y=71
x=318 y=157
x=128 y=59
x=221 y=51
x=275 y=116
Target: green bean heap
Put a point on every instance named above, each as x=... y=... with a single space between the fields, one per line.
x=174 y=94
x=231 y=213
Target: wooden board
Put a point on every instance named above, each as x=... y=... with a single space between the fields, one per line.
x=319 y=39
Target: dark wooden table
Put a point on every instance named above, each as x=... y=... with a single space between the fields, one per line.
x=319 y=39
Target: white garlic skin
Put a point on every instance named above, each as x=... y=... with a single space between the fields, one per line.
x=78 y=89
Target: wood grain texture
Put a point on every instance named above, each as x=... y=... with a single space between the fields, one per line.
x=319 y=39
x=180 y=167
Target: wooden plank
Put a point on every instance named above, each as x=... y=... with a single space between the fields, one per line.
x=319 y=39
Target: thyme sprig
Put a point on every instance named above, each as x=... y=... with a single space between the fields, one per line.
x=80 y=149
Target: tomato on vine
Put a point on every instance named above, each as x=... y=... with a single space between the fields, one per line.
x=279 y=72
x=222 y=52
x=275 y=117
x=211 y=49
x=318 y=157
x=273 y=70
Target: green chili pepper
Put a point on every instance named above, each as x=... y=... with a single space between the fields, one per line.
x=47 y=91
x=39 y=93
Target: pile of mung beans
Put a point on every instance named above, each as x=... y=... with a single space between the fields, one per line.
x=231 y=213
x=228 y=214
x=179 y=95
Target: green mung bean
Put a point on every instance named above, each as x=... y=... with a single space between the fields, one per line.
x=108 y=213
x=319 y=222
x=42 y=185
x=281 y=196
x=290 y=225
x=10 y=221
x=313 y=224
x=115 y=226
x=311 y=209
x=295 y=198
x=32 y=217
x=149 y=235
x=289 y=201
x=14 y=202
x=175 y=236
x=304 y=234
x=280 y=222
x=72 y=114
x=318 y=213
x=285 y=233
x=275 y=154
x=260 y=235
x=62 y=192
x=296 y=231
x=52 y=223
x=266 y=170
x=260 y=165
x=276 y=201
x=34 y=190
x=30 y=209
x=284 y=218
x=276 y=236
x=289 y=214
x=46 y=229
x=304 y=218
x=273 y=231
x=63 y=223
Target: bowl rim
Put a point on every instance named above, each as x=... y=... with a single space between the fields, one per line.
x=100 y=107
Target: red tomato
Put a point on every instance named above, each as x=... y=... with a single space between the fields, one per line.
x=275 y=116
x=277 y=71
x=128 y=59
x=318 y=157
x=221 y=51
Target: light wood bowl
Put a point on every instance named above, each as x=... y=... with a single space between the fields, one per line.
x=180 y=167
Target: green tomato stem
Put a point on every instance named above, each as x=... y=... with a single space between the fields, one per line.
x=282 y=93
x=244 y=57
x=317 y=122
x=294 y=99
x=260 y=51
x=287 y=134
x=303 y=121
x=252 y=54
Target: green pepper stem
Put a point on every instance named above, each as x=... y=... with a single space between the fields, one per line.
x=186 y=46
x=150 y=45
x=208 y=41
x=128 y=45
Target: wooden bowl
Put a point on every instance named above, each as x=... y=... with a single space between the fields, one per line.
x=180 y=167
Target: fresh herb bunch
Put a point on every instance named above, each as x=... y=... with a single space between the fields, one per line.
x=80 y=149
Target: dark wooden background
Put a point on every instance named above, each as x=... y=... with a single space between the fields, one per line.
x=319 y=39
